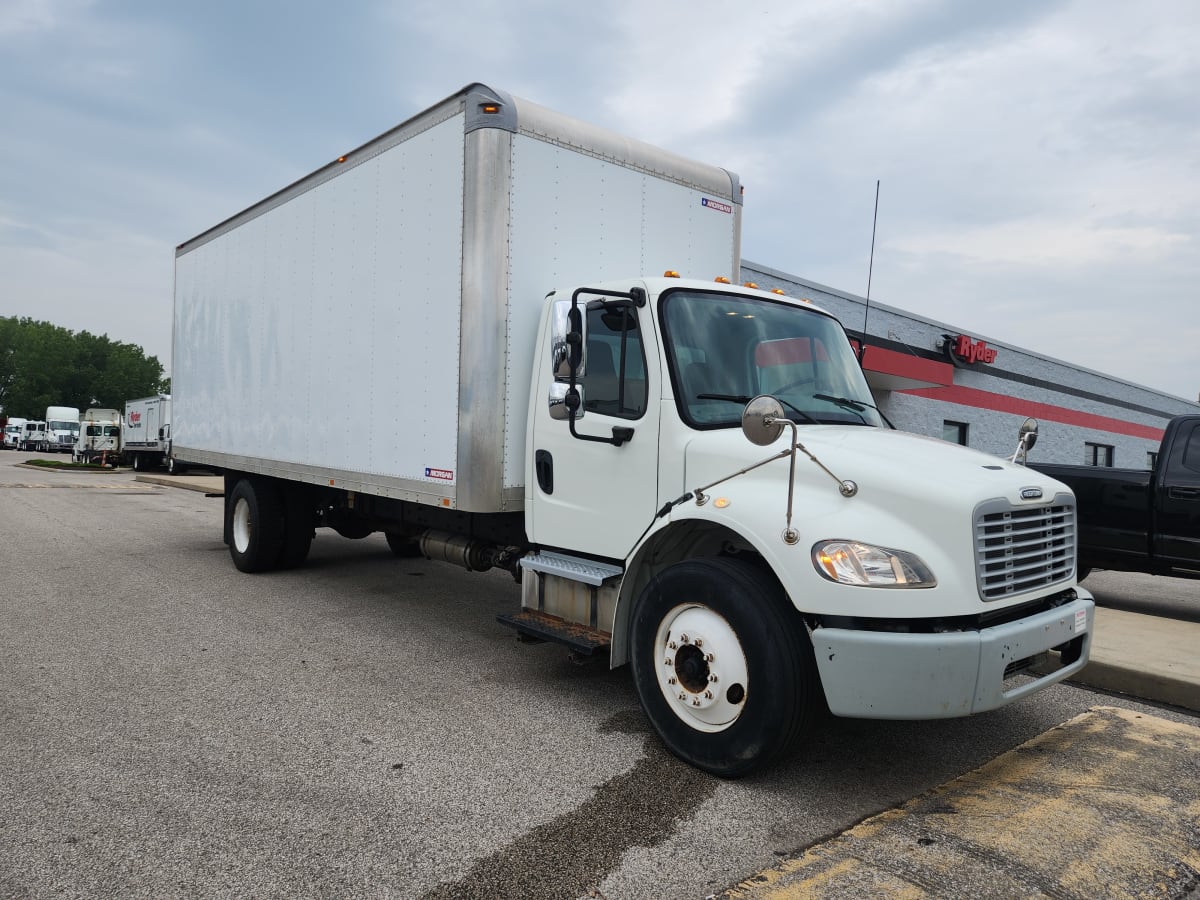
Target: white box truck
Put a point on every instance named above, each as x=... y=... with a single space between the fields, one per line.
x=99 y=439
x=464 y=292
x=147 y=433
x=62 y=428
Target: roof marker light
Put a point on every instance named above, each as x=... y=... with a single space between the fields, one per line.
x=778 y=291
x=721 y=279
x=670 y=273
x=489 y=109
x=750 y=284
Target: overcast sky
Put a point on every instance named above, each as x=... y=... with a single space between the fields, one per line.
x=1040 y=161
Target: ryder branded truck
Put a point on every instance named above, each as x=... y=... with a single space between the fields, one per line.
x=685 y=475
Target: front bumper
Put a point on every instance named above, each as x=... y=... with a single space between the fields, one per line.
x=890 y=675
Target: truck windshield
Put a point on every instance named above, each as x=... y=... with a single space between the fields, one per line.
x=724 y=349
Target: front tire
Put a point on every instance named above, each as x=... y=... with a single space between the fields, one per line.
x=723 y=665
x=256 y=525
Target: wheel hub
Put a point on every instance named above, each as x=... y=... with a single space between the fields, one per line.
x=701 y=668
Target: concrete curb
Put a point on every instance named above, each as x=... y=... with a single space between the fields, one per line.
x=209 y=485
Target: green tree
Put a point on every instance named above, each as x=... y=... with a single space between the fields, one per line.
x=42 y=365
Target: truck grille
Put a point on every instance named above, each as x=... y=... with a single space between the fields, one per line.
x=1021 y=549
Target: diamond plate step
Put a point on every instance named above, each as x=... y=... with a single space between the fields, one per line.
x=570 y=567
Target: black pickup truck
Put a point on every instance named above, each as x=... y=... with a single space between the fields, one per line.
x=1136 y=520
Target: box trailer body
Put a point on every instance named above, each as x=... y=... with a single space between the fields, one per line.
x=414 y=269
x=146 y=435
x=444 y=336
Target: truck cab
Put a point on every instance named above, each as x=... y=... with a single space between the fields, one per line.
x=14 y=433
x=34 y=437
x=99 y=439
x=890 y=575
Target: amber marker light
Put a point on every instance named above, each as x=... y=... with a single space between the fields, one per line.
x=750 y=284
x=779 y=291
x=670 y=273
x=341 y=159
x=721 y=502
x=721 y=279
x=490 y=109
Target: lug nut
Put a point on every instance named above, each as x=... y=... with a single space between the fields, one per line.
x=696 y=702
x=708 y=695
x=699 y=642
x=668 y=662
x=670 y=681
x=682 y=695
x=709 y=658
x=683 y=639
x=712 y=677
x=672 y=646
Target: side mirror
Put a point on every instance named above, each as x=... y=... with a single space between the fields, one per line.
x=762 y=420
x=568 y=338
x=1029 y=433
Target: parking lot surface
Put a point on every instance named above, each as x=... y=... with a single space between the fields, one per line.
x=363 y=727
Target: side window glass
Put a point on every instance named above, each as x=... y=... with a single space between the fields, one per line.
x=615 y=383
x=1191 y=453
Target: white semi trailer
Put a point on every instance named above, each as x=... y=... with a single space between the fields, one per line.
x=464 y=292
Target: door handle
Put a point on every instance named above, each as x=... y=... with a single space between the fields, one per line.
x=1182 y=493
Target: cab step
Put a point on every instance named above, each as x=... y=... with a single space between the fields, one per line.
x=581 y=639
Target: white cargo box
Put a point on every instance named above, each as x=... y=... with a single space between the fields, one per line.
x=372 y=326
x=148 y=423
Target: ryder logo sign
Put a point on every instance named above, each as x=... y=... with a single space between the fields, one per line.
x=970 y=351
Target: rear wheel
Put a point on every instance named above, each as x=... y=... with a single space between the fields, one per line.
x=723 y=665
x=299 y=527
x=256 y=525
x=138 y=465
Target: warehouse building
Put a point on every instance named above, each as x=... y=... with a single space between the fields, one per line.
x=946 y=381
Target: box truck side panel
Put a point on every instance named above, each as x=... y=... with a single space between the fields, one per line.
x=334 y=317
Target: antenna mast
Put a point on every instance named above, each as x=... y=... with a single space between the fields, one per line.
x=862 y=344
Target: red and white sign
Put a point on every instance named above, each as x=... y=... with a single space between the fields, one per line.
x=440 y=474
x=973 y=351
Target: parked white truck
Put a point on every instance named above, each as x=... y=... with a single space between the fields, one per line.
x=34 y=437
x=62 y=429
x=147 y=435
x=553 y=414
x=99 y=439
x=14 y=433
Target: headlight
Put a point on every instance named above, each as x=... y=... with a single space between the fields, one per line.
x=849 y=562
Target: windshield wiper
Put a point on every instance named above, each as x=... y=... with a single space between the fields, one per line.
x=738 y=398
x=855 y=406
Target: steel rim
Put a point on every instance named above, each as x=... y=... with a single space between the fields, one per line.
x=241 y=525
x=701 y=667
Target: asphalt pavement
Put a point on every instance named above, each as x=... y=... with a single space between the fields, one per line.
x=171 y=727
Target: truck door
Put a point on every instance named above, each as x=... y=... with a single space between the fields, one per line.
x=595 y=491
x=1177 y=529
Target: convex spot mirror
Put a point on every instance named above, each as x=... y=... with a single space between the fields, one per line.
x=1028 y=433
x=762 y=420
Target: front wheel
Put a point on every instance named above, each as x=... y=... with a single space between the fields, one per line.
x=723 y=665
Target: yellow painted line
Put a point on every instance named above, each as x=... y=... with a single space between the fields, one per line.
x=1104 y=806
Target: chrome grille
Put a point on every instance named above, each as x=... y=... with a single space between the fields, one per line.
x=1023 y=548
